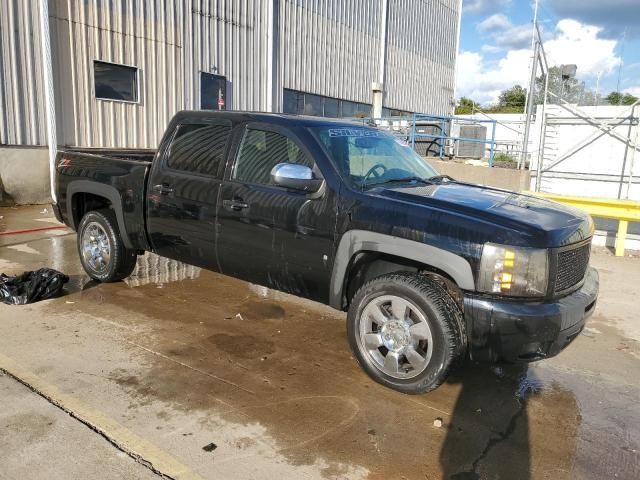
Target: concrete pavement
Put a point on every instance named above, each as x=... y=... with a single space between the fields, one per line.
x=182 y=358
x=38 y=440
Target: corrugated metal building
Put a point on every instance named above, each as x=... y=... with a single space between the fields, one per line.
x=122 y=68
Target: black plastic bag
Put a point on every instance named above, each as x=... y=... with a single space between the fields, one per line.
x=31 y=286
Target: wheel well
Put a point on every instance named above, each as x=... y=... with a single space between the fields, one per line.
x=83 y=202
x=365 y=266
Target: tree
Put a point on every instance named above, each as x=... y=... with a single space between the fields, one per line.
x=571 y=89
x=513 y=97
x=619 y=98
x=614 y=98
x=466 y=106
x=511 y=100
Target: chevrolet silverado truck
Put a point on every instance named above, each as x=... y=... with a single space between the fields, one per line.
x=429 y=269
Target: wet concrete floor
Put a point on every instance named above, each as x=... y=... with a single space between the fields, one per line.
x=185 y=357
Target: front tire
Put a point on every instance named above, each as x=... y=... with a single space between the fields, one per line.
x=102 y=253
x=405 y=331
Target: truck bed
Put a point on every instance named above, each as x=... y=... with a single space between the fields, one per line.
x=117 y=176
x=140 y=154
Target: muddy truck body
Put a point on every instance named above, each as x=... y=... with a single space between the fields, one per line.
x=429 y=269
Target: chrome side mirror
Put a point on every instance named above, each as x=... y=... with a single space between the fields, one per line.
x=295 y=177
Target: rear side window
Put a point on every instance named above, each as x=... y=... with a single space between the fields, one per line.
x=261 y=151
x=199 y=148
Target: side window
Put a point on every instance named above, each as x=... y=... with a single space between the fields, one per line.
x=198 y=148
x=261 y=151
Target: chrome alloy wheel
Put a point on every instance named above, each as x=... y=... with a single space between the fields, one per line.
x=395 y=335
x=96 y=248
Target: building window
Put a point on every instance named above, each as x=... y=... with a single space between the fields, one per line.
x=213 y=91
x=261 y=151
x=302 y=103
x=331 y=107
x=199 y=148
x=115 y=82
x=313 y=105
x=292 y=101
x=393 y=112
x=355 y=109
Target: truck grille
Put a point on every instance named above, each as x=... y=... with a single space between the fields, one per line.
x=571 y=266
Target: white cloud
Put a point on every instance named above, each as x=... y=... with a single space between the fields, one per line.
x=581 y=44
x=483 y=83
x=635 y=91
x=497 y=21
x=484 y=7
x=518 y=36
x=490 y=48
x=571 y=42
x=504 y=33
x=614 y=16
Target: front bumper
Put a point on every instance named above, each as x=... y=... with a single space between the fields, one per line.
x=526 y=331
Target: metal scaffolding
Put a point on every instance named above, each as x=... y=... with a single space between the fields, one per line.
x=442 y=139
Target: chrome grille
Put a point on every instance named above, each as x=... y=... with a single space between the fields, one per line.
x=571 y=266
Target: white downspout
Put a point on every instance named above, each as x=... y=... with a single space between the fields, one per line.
x=378 y=87
x=455 y=65
x=383 y=42
x=49 y=98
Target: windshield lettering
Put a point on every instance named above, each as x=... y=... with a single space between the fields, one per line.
x=352 y=132
x=368 y=157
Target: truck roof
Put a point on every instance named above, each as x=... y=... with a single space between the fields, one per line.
x=274 y=118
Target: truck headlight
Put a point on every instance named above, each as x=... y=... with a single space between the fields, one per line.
x=519 y=272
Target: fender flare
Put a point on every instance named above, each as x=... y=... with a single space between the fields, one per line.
x=106 y=191
x=355 y=241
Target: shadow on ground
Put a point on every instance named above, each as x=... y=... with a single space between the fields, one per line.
x=501 y=415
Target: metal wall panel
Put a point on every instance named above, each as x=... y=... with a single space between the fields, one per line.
x=228 y=38
x=170 y=43
x=146 y=34
x=22 y=111
x=421 y=55
x=327 y=47
x=330 y=47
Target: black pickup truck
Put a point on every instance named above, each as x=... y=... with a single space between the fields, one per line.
x=430 y=269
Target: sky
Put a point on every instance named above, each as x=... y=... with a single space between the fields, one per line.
x=602 y=37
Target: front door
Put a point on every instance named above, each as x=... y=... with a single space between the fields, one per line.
x=213 y=92
x=268 y=234
x=183 y=193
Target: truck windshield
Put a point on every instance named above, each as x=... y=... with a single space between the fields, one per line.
x=369 y=157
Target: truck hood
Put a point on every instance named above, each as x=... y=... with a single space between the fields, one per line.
x=552 y=223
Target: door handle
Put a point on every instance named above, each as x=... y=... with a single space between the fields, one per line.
x=236 y=204
x=163 y=189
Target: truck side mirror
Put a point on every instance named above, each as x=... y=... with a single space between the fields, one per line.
x=296 y=177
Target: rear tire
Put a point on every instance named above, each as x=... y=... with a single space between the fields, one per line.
x=405 y=330
x=102 y=252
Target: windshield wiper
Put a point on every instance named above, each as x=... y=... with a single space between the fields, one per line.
x=400 y=180
x=440 y=178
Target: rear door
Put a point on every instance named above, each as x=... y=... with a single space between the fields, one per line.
x=183 y=192
x=268 y=234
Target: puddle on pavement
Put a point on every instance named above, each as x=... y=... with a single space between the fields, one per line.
x=290 y=370
x=223 y=347
x=158 y=270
